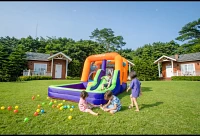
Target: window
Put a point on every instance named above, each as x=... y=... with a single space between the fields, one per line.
x=40 y=68
x=187 y=69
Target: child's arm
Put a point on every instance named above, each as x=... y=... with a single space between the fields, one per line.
x=106 y=104
x=89 y=104
x=85 y=104
x=130 y=86
x=128 y=89
x=140 y=89
x=140 y=92
x=114 y=108
x=109 y=84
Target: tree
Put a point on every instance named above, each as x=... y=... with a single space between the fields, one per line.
x=127 y=53
x=16 y=63
x=30 y=44
x=108 y=39
x=196 y=48
x=75 y=68
x=79 y=51
x=145 y=68
x=4 y=54
x=13 y=62
x=190 y=32
x=8 y=41
x=43 y=43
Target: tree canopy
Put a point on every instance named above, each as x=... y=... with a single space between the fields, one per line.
x=107 y=38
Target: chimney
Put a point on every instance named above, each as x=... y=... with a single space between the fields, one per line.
x=176 y=56
x=51 y=53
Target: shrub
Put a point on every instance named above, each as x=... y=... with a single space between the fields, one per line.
x=187 y=78
x=73 y=78
x=28 y=78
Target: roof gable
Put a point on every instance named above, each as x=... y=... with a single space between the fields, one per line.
x=131 y=63
x=67 y=57
x=169 y=58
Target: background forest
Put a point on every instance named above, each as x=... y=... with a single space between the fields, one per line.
x=13 y=58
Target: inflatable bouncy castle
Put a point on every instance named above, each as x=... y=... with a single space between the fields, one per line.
x=95 y=67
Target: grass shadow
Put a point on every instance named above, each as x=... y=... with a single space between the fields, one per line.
x=150 y=105
x=19 y=82
x=146 y=89
x=121 y=95
x=123 y=108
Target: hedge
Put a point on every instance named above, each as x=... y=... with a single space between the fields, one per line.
x=187 y=78
x=73 y=78
x=28 y=78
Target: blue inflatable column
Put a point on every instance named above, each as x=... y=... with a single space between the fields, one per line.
x=103 y=66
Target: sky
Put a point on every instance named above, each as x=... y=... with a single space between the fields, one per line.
x=139 y=23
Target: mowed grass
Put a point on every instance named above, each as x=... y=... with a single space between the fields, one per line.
x=166 y=107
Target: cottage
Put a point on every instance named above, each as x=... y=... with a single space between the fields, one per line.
x=55 y=65
x=179 y=65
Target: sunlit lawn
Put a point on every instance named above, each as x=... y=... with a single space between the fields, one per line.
x=166 y=107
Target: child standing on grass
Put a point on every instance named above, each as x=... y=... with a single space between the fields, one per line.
x=136 y=90
x=84 y=106
x=113 y=104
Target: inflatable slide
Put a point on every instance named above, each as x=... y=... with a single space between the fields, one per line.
x=103 y=62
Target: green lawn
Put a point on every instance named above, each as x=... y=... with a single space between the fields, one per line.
x=166 y=107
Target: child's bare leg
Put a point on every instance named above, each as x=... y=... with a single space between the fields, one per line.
x=132 y=104
x=101 y=107
x=131 y=100
x=136 y=104
x=90 y=106
x=92 y=112
x=106 y=109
